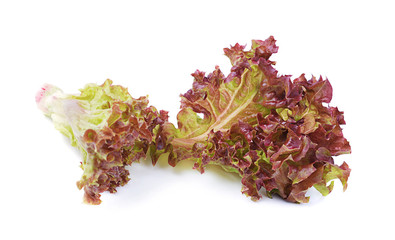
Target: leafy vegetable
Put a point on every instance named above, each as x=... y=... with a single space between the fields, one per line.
x=277 y=134
x=280 y=135
x=109 y=127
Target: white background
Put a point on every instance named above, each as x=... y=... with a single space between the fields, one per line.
x=152 y=47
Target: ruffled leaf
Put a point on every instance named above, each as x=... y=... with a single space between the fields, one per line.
x=276 y=133
x=110 y=128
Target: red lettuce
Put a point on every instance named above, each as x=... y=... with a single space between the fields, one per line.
x=278 y=134
x=109 y=127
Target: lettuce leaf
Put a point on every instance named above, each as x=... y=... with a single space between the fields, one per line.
x=109 y=127
x=278 y=134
